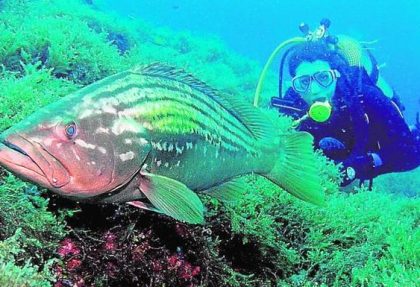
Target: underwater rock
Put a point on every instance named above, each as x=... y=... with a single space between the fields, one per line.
x=13 y=63
x=16 y=61
x=183 y=46
x=214 y=55
x=94 y=26
x=130 y=261
x=120 y=41
x=42 y=55
x=78 y=74
x=121 y=246
x=117 y=39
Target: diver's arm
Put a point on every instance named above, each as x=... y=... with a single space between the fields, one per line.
x=397 y=148
x=359 y=164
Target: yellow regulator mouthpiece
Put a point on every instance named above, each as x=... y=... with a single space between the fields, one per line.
x=320 y=111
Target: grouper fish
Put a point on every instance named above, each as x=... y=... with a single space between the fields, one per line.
x=154 y=136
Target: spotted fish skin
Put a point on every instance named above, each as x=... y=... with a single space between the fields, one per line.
x=193 y=137
x=139 y=131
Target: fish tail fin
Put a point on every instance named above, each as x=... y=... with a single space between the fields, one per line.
x=296 y=170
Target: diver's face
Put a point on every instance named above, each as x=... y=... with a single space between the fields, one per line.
x=315 y=81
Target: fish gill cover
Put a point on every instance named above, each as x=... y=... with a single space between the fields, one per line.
x=49 y=49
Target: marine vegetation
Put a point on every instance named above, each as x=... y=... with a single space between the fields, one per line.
x=51 y=48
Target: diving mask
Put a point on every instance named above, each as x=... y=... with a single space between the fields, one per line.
x=320 y=111
x=302 y=83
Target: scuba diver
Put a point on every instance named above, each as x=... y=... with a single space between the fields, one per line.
x=337 y=94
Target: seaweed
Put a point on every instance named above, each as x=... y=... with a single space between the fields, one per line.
x=48 y=49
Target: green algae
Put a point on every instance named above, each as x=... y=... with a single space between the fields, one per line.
x=29 y=235
x=50 y=48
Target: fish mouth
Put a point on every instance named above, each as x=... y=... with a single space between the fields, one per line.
x=33 y=162
x=14 y=147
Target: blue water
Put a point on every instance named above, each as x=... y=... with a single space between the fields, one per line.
x=255 y=28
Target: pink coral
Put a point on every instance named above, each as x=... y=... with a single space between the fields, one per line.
x=111 y=269
x=181 y=230
x=157 y=266
x=68 y=247
x=174 y=262
x=73 y=264
x=110 y=243
x=188 y=271
x=185 y=269
x=138 y=252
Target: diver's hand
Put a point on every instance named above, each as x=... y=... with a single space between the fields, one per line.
x=331 y=144
x=360 y=167
x=349 y=175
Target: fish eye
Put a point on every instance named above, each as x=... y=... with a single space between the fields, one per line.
x=71 y=130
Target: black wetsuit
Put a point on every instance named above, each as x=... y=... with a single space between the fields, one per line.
x=365 y=122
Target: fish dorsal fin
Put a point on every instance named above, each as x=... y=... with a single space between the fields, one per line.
x=257 y=123
x=165 y=71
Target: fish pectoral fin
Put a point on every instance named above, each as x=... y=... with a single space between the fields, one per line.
x=230 y=191
x=143 y=205
x=172 y=198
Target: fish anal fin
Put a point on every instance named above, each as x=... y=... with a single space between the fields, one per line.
x=230 y=191
x=143 y=205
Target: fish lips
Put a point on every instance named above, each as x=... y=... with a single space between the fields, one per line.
x=33 y=162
